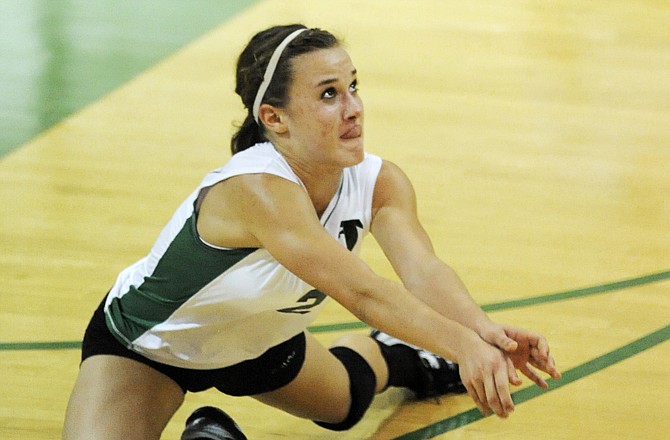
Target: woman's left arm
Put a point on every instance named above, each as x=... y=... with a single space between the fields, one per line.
x=408 y=247
x=396 y=227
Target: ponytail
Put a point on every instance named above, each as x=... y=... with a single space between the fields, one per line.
x=247 y=135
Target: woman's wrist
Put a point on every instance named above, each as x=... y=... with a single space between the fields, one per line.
x=483 y=326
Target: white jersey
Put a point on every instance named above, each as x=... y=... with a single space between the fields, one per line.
x=193 y=305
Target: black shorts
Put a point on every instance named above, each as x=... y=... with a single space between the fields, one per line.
x=273 y=369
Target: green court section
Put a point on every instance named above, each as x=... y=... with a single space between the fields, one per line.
x=57 y=56
x=586 y=369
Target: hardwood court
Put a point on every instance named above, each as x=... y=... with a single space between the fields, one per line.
x=537 y=135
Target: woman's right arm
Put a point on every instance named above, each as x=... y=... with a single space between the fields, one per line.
x=263 y=210
x=267 y=211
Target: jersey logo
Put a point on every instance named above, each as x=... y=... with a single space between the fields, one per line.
x=349 y=228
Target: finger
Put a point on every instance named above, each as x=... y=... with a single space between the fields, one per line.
x=542 y=349
x=481 y=395
x=524 y=337
x=536 y=355
x=503 y=394
x=551 y=369
x=532 y=375
x=492 y=397
x=511 y=373
x=548 y=365
x=472 y=392
x=506 y=343
x=538 y=360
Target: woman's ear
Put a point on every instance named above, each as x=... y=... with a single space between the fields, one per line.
x=271 y=117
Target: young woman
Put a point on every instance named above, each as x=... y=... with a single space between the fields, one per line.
x=225 y=295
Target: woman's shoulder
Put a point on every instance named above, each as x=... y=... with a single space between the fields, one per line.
x=258 y=156
x=260 y=159
x=370 y=165
x=392 y=183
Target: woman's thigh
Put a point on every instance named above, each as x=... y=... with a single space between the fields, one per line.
x=119 y=398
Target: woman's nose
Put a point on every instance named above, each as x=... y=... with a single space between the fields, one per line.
x=354 y=107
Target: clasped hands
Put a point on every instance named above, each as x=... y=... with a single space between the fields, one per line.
x=491 y=366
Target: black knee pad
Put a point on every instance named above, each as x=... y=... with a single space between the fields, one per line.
x=362 y=384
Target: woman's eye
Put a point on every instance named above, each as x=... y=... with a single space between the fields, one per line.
x=329 y=93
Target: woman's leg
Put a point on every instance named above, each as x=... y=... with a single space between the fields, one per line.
x=119 y=398
x=322 y=390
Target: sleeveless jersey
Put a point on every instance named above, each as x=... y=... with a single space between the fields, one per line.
x=193 y=305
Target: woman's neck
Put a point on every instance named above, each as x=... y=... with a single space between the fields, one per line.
x=321 y=186
x=320 y=182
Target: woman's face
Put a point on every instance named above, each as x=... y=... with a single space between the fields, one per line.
x=324 y=115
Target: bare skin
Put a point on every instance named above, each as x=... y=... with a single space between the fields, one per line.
x=96 y=409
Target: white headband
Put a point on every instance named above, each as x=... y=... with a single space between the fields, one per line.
x=270 y=71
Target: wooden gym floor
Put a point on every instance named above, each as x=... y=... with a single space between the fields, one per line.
x=537 y=134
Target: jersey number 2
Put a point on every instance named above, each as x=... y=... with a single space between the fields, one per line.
x=312 y=299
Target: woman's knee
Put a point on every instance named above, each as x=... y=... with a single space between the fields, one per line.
x=362 y=385
x=369 y=350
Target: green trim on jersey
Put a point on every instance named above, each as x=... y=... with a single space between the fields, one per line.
x=185 y=268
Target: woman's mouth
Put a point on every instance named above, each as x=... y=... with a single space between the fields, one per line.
x=353 y=132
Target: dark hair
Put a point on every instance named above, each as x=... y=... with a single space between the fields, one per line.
x=251 y=66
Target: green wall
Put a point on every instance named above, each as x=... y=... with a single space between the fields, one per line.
x=57 y=56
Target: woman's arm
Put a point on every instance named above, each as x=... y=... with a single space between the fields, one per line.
x=397 y=229
x=406 y=244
